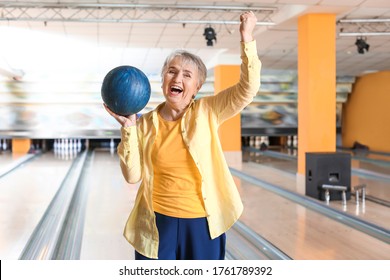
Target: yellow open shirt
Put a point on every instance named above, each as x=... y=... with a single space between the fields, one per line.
x=200 y=134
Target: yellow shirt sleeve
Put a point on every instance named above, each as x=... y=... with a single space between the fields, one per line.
x=234 y=99
x=130 y=155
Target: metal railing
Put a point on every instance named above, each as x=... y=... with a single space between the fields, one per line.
x=254 y=246
x=15 y=164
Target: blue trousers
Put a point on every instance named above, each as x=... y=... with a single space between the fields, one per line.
x=186 y=239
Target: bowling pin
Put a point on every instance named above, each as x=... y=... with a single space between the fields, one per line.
x=262 y=139
x=112 y=147
x=295 y=141
x=112 y=144
x=61 y=151
x=288 y=141
x=71 y=144
x=4 y=144
x=78 y=145
x=73 y=151
x=258 y=141
x=57 y=146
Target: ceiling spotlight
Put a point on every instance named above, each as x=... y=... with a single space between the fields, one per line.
x=210 y=35
x=362 y=45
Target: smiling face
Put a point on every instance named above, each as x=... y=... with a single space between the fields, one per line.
x=180 y=83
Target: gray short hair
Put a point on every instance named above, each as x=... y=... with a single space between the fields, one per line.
x=187 y=57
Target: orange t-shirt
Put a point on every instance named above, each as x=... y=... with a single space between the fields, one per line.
x=177 y=181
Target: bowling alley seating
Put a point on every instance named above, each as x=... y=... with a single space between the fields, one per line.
x=342 y=189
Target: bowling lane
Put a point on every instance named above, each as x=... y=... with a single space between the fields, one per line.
x=8 y=161
x=370 y=212
x=109 y=203
x=375 y=175
x=25 y=194
x=365 y=171
x=6 y=157
x=368 y=155
x=372 y=163
x=302 y=233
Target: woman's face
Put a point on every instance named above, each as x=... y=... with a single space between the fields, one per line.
x=180 y=83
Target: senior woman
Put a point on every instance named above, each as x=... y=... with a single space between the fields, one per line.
x=187 y=198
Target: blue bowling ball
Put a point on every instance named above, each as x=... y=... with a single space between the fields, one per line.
x=125 y=90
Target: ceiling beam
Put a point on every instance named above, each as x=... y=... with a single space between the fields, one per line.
x=364 y=27
x=130 y=13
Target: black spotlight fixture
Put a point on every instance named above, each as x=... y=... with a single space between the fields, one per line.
x=362 y=45
x=210 y=35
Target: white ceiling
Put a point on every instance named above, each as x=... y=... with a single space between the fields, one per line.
x=94 y=48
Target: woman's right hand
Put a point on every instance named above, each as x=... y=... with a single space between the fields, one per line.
x=124 y=121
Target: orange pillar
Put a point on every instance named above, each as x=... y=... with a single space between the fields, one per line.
x=20 y=146
x=316 y=85
x=230 y=131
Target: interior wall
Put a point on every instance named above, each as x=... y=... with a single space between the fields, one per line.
x=366 y=114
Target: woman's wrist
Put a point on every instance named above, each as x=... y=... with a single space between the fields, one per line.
x=246 y=37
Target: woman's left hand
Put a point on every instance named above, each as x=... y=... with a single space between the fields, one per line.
x=124 y=121
x=248 y=22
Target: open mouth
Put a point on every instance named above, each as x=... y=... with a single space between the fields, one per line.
x=176 y=90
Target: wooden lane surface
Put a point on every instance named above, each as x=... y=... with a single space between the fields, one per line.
x=302 y=233
x=371 y=212
x=25 y=194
